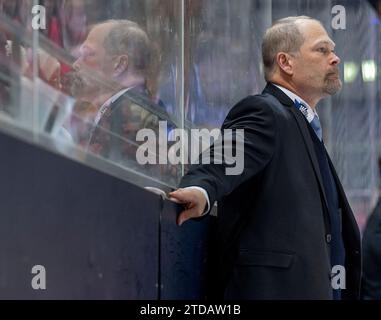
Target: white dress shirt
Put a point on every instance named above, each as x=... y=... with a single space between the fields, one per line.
x=107 y=104
x=310 y=113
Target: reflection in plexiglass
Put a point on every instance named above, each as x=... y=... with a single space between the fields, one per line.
x=102 y=72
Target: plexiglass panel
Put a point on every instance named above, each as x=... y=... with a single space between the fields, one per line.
x=223 y=56
x=93 y=74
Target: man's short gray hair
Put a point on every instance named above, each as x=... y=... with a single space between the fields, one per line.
x=127 y=37
x=283 y=36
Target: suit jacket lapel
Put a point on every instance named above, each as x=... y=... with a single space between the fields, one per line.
x=342 y=198
x=340 y=190
x=301 y=121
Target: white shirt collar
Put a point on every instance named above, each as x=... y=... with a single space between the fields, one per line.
x=107 y=103
x=115 y=97
x=310 y=113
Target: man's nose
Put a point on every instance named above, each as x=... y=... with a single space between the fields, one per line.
x=335 y=59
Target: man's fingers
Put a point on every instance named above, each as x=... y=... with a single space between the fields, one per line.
x=182 y=196
x=173 y=199
x=193 y=201
x=188 y=214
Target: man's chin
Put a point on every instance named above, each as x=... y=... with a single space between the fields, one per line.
x=333 y=87
x=86 y=95
x=84 y=91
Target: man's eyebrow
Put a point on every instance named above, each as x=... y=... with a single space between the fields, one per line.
x=330 y=43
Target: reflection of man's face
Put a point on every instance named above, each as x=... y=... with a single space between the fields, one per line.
x=93 y=61
x=316 y=65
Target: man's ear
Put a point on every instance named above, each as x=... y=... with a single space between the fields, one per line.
x=121 y=65
x=285 y=63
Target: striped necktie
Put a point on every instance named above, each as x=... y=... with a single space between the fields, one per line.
x=315 y=122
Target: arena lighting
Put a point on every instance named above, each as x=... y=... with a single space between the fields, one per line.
x=369 y=70
x=351 y=70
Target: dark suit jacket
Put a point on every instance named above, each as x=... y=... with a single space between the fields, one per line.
x=114 y=137
x=272 y=219
x=372 y=256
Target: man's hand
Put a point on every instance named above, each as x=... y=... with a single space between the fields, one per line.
x=193 y=200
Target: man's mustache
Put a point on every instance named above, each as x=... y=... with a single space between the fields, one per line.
x=77 y=79
x=334 y=72
x=74 y=83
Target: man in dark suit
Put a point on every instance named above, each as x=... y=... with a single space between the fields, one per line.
x=285 y=228
x=115 y=64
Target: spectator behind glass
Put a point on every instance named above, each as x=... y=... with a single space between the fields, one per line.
x=73 y=21
x=53 y=29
